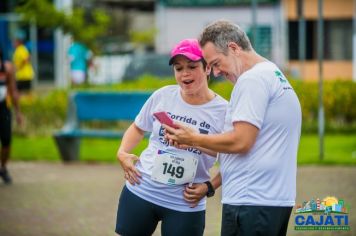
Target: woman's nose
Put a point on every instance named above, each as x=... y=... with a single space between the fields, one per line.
x=186 y=72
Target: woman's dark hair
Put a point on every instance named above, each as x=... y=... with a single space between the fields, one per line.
x=204 y=63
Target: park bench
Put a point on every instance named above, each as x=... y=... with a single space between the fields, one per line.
x=96 y=106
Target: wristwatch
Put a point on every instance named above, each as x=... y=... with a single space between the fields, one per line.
x=211 y=190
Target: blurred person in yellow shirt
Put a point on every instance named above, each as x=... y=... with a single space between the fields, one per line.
x=22 y=61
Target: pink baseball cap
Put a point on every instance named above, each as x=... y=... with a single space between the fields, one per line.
x=189 y=48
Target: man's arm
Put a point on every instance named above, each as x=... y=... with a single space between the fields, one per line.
x=239 y=140
x=204 y=150
x=208 y=151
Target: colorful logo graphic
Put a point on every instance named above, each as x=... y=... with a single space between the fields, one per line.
x=280 y=76
x=327 y=214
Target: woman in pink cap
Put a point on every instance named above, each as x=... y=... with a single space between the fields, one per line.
x=163 y=183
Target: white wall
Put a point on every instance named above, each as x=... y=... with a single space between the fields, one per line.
x=175 y=24
x=108 y=69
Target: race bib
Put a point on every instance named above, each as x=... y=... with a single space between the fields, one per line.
x=174 y=168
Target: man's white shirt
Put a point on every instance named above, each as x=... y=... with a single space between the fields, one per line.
x=266 y=175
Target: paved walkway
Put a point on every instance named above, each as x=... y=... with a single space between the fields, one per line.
x=81 y=199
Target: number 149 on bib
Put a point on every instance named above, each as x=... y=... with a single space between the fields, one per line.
x=174 y=168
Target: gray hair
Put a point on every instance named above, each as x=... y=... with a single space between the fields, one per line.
x=221 y=33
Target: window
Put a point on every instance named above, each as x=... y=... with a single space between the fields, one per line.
x=337 y=40
x=263 y=43
x=190 y=3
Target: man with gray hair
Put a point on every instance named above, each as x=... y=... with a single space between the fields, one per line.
x=258 y=149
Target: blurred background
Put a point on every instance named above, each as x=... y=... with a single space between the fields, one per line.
x=129 y=41
x=312 y=41
x=123 y=31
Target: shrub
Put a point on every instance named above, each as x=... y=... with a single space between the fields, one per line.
x=45 y=112
x=42 y=113
x=338 y=100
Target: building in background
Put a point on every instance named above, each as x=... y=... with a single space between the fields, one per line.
x=277 y=30
x=40 y=42
x=178 y=19
x=127 y=16
x=338 y=33
x=275 y=23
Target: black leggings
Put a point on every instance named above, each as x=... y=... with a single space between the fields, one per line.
x=138 y=217
x=5 y=125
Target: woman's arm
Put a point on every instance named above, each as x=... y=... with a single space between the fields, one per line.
x=131 y=139
x=193 y=194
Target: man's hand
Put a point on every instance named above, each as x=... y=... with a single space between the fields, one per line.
x=184 y=135
x=127 y=161
x=193 y=194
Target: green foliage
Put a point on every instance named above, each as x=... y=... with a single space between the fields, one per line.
x=47 y=112
x=338 y=99
x=44 y=148
x=145 y=37
x=34 y=148
x=339 y=149
x=83 y=30
x=223 y=88
x=145 y=82
x=42 y=113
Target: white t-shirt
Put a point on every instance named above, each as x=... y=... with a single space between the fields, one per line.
x=266 y=175
x=206 y=118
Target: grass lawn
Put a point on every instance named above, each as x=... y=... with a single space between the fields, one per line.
x=339 y=149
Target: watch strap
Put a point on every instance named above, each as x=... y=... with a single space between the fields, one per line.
x=211 y=190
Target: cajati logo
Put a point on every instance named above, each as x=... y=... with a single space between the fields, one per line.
x=329 y=213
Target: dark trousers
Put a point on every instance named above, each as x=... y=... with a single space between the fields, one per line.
x=24 y=85
x=254 y=220
x=5 y=125
x=138 y=217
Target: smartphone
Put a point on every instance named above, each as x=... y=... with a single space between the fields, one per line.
x=164 y=118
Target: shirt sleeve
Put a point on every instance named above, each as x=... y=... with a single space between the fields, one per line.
x=250 y=101
x=144 y=119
